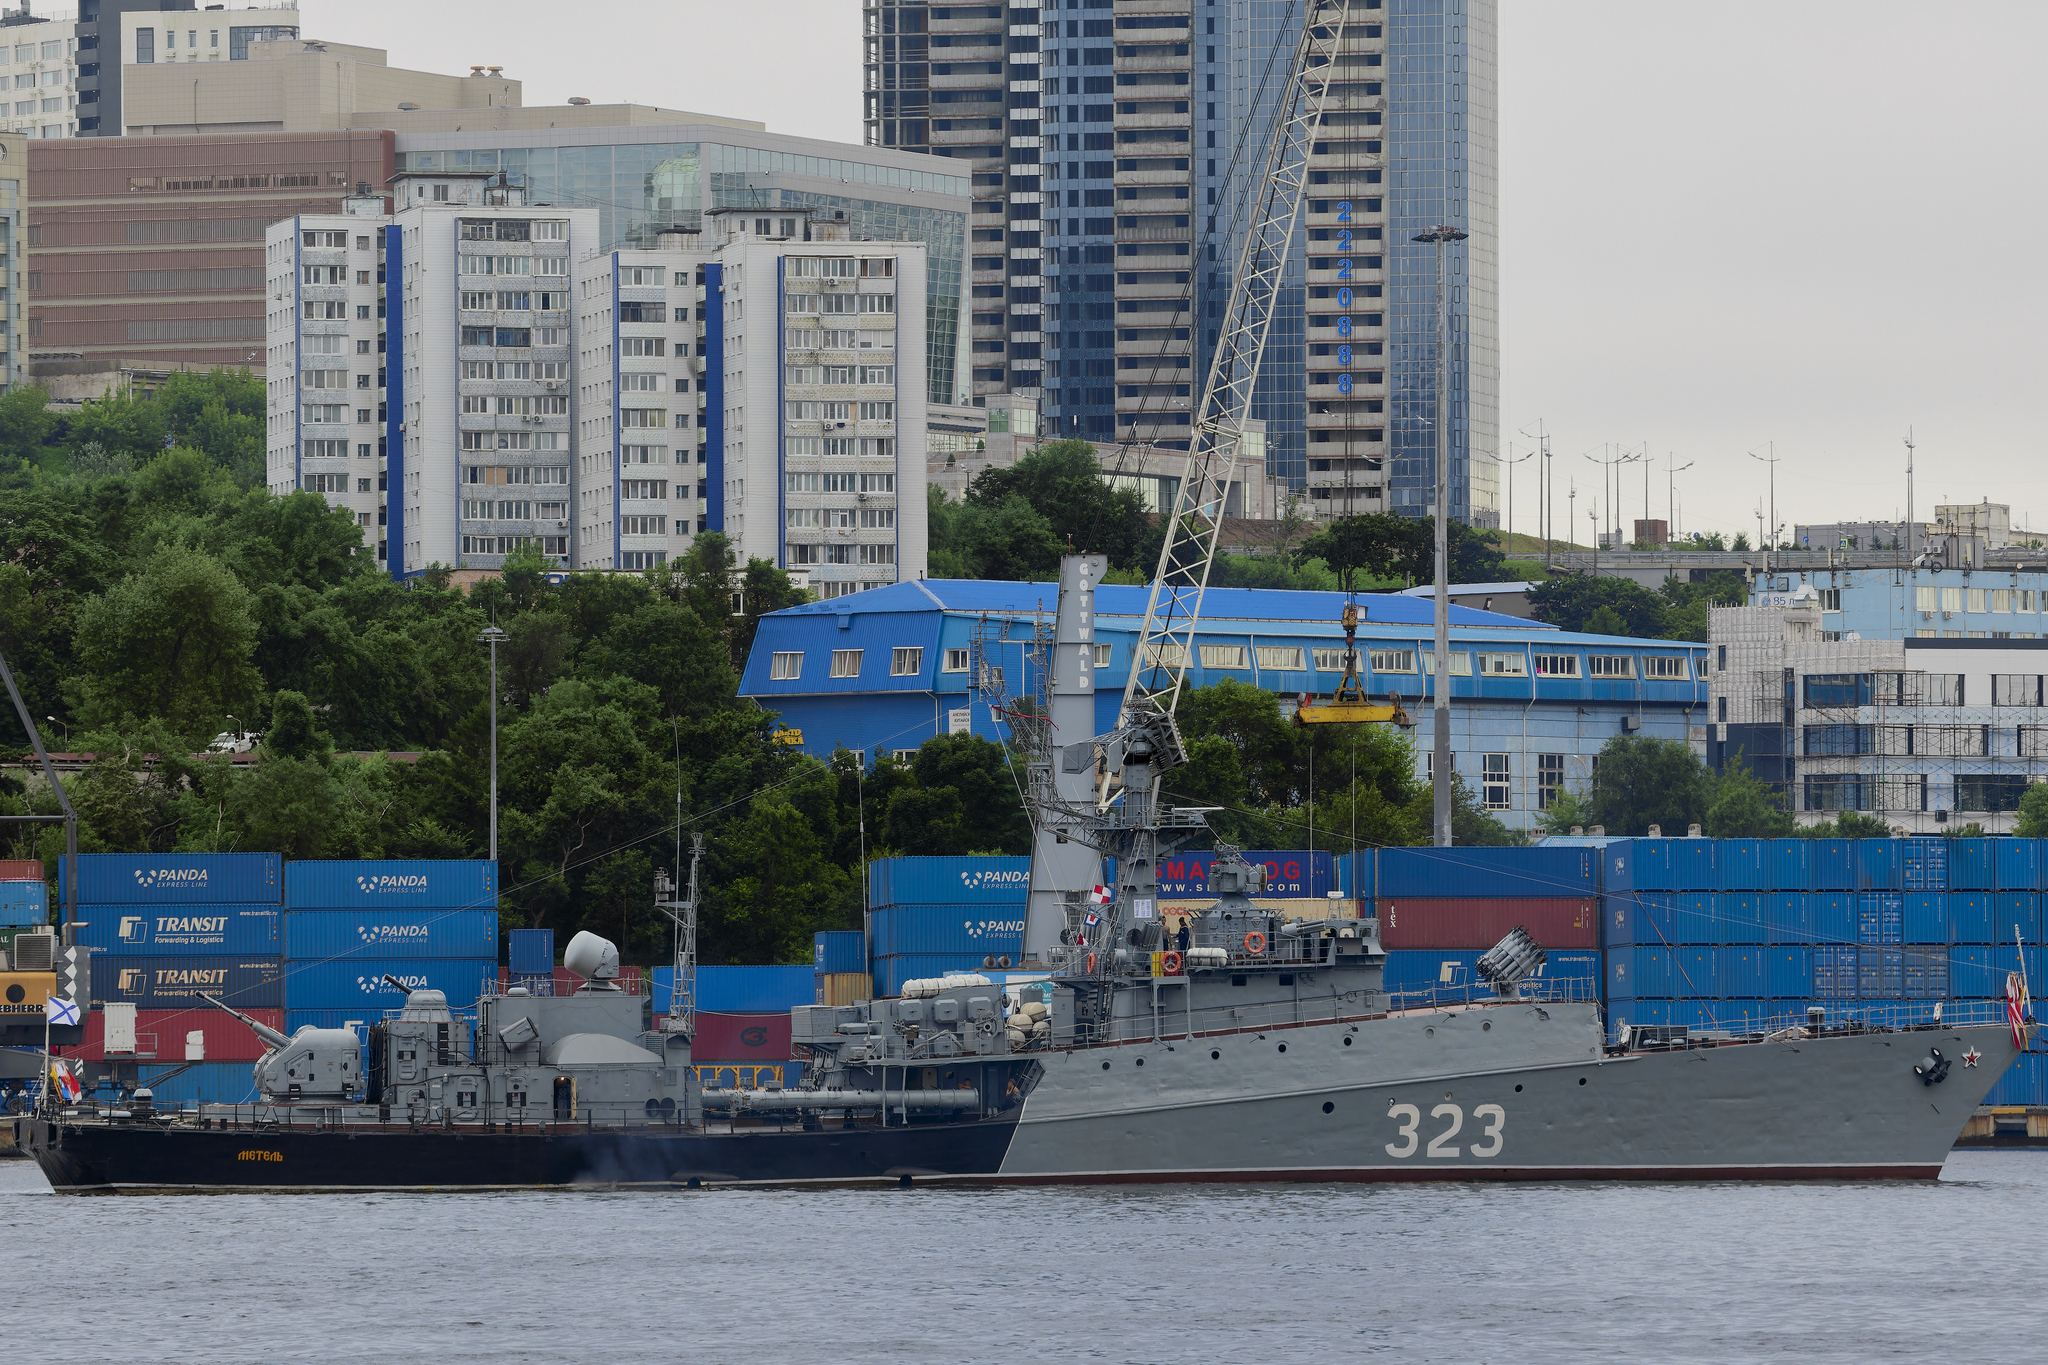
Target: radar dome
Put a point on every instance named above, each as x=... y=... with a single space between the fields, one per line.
x=591 y=957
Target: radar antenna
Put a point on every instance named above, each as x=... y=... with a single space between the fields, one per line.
x=682 y=1005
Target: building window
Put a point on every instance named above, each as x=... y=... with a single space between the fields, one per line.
x=1721 y=709
x=1494 y=783
x=1391 y=660
x=1557 y=665
x=846 y=663
x=1830 y=599
x=1102 y=656
x=786 y=667
x=1609 y=667
x=956 y=661
x=1825 y=741
x=1549 y=780
x=1664 y=667
x=1461 y=663
x=906 y=662
x=1501 y=665
x=1159 y=655
x=2015 y=689
x=1224 y=656
x=1282 y=658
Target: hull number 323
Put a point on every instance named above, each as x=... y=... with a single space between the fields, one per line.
x=1491 y=1119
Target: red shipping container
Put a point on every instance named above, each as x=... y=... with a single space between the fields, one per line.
x=21 y=869
x=162 y=1032
x=740 y=1038
x=1481 y=922
x=631 y=980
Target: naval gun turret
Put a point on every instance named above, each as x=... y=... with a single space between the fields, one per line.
x=312 y=1063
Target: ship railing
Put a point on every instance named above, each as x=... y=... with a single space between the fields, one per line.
x=1166 y=1021
x=1836 y=1016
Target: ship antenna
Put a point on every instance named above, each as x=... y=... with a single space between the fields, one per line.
x=682 y=1005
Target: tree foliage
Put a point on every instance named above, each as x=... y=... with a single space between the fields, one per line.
x=1381 y=548
x=1622 y=606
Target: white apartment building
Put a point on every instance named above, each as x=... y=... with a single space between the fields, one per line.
x=747 y=380
x=430 y=353
x=39 y=78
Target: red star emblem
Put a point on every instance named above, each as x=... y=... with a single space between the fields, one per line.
x=1970 y=1057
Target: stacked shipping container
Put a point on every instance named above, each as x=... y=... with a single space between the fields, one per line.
x=742 y=1018
x=1440 y=909
x=24 y=899
x=1726 y=933
x=167 y=928
x=350 y=925
x=931 y=916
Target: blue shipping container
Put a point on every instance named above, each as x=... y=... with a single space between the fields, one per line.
x=202 y=1083
x=2015 y=916
x=1739 y=972
x=1788 y=971
x=1646 y=1013
x=1785 y=865
x=1497 y=873
x=1880 y=973
x=23 y=904
x=1412 y=971
x=1978 y=970
x=386 y=884
x=890 y=973
x=2016 y=864
x=1926 y=972
x=991 y=880
x=1742 y=917
x=184 y=930
x=1972 y=866
x=1581 y=965
x=1834 y=915
x=159 y=983
x=318 y=935
x=1360 y=875
x=957 y=929
x=1641 y=917
x=743 y=990
x=1925 y=862
x=1699 y=917
x=1878 y=866
x=1633 y=973
x=839 y=950
x=1926 y=917
x=2025 y=1082
x=1881 y=918
x=178 y=878
x=1698 y=972
x=1741 y=865
x=352 y=983
x=1657 y=865
x=1970 y=918
x=1788 y=917
x=1832 y=865
x=531 y=952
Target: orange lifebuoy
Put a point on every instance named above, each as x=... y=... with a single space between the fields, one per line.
x=1091 y=962
x=1255 y=943
x=1169 y=963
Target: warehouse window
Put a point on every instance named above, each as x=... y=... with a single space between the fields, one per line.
x=1102 y=656
x=1926 y=598
x=1224 y=656
x=1557 y=665
x=956 y=661
x=1501 y=665
x=906 y=662
x=1494 y=783
x=1461 y=663
x=1284 y=658
x=1610 y=666
x=1549 y=780
x=846 y=663
x=1393 y=660
x=1666 y=667
x=784 y=667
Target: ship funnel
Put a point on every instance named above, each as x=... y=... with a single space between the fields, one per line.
x=594 y=959
x=1509 y=960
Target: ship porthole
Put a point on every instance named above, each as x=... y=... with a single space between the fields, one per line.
x=1518 y=1090
x=1582 y=1080
x=1215 y=1056
x=1486 y=1027
x=1329 y=1108
x=1105 y=1066
x=1429 y=1033
x=1283 y=1047
x=1141 y=1061
x=1347 y=1040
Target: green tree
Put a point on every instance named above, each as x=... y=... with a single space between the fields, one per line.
x=2033 y=821
x=25 y=423
x=1740 y=806
x=1643 y=781
x=172 y=642
x=1605 y=620
x=1062 y=482
x=293 y=731
x=1570 y=602
x=1566 y=811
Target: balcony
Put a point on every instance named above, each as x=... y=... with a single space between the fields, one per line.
x=1154 y=118
x=1158 y=57
x=1153 y=232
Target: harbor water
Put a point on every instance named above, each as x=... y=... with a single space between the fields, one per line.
x=1468 y=1273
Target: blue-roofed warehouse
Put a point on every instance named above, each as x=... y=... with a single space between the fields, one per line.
x=1530 y=705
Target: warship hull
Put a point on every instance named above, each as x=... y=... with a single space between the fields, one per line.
x=1501 y=1091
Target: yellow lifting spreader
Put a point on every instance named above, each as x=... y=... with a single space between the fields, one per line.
x=1349 y=705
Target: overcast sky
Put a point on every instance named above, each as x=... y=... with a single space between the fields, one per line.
x=1817 y=224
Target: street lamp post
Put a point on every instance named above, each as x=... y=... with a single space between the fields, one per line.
x=1510 y=464
x=493 y=637
x=1772 y=461
x=1440 y=762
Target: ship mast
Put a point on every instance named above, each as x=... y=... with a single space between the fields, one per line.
x=682 y=1005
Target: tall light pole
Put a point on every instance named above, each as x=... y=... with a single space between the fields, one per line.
x=1440 y=762
x=1510 y=464
x=1772 y=461
x=494 y=637
x=1671 y=498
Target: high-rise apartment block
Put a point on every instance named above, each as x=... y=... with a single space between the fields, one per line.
x=421 y=369
x=13 y=246
x=758 y=360
x=1121 y=145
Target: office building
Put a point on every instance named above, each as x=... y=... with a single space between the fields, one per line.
x=1530 y=705
x=1078 y=130
x=146 y=254
x=119 y=35
x=760 y=376
x=1908 y=602
x=1919 y=731
x=41 y=79
x=289 y=84
x=421 y=368
x=1176 y=100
